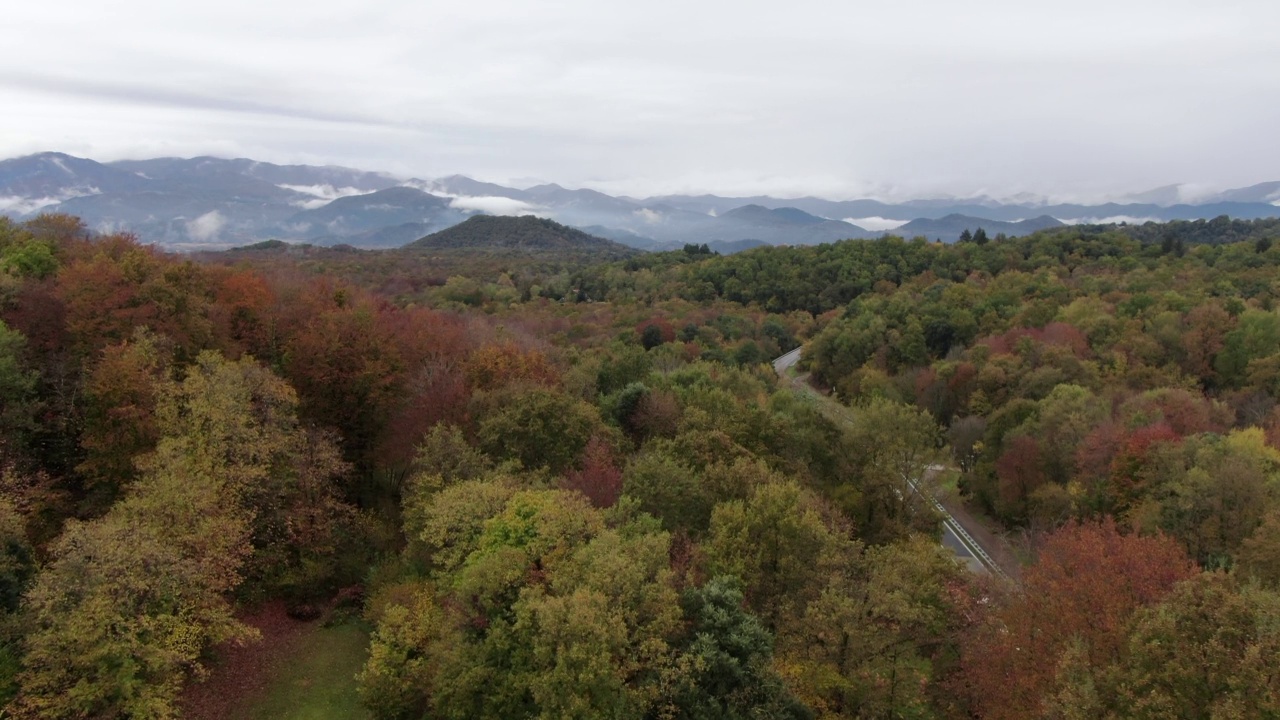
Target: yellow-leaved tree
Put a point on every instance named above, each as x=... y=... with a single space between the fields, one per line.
x=129 y=603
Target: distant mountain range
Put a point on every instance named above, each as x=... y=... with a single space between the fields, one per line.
x=207 y=202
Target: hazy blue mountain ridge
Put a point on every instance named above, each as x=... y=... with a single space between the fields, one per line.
x=213 y=202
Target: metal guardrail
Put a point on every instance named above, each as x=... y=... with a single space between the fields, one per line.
x=961 y=534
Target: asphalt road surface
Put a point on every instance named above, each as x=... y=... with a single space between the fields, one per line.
x=784 y=362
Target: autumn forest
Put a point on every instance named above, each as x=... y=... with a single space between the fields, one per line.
x=556 y=483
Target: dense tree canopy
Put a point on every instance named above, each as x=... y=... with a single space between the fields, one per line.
x=560 y=489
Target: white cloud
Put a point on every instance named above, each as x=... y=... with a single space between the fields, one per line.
x=493 y=205
x=490 y=204
x=1113 y=219
x=206 y=227
x=876 y=223
x=321 y=194
x=23 y=206
x=1192 y=193
x=653 y=217
x=108 y=227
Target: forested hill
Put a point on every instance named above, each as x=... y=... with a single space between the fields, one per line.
x=523 y=233
x=955 y=225
x=820 y=278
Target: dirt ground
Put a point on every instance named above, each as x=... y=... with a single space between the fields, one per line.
x=239 y=673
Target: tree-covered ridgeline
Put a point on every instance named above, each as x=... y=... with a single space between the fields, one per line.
x=821 y=278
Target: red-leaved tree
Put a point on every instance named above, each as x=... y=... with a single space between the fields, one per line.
x=597 y=475
x=1087 y=584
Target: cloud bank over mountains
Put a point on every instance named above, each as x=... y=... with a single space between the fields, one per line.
x=1080 y=100
x=212 y=202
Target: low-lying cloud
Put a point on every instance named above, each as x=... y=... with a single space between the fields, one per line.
x=493 y=205
x=322 y=194
x=13 y=204
x=206 y=227
x=488 y=204
x=653 y=217
x=876 y=223
x=1110 y=220
x=18 y=205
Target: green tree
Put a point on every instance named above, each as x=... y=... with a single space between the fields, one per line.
x=1259 y=555
x=652 y=336
x=443 y=527
x=897 y=446
x=727 y=657
x=1207 y=651
x=31 y=259
x=1062 y=421
x=129 y=604
x=443 y=458
x=866 y=646
x=540 y=427
x=783 y=543
x=412 y=641
x=1256 y=336
x=599 y=635
x=17 y=567
x=539 y=609
x=669 y=490
x=624 y=364
x=17 y=393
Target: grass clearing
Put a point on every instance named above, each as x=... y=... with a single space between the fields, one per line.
x=948 y=483
x=318 y=681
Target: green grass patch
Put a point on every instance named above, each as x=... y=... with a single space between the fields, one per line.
x=318 y=682
x=948 y=483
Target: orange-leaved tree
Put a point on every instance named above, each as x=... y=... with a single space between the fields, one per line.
x=1082 y=592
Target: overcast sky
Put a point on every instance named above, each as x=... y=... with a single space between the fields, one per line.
x=894 y=98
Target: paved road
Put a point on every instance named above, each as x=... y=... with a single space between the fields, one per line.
x=958 y=540
x=953 y=543
x=954 y=536
x=784 y=362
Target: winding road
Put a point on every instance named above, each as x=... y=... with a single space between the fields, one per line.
x=954 y=536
